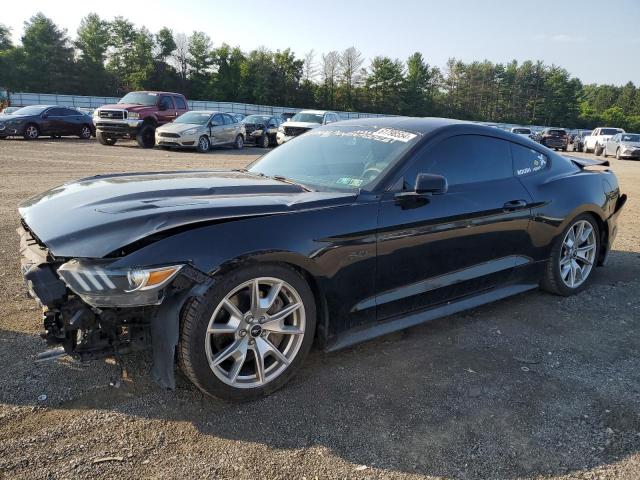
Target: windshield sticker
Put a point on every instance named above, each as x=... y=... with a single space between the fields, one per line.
x=393 y=134
x=384 y=135
x=352 y=182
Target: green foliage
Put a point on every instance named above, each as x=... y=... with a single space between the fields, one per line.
x=113 y=57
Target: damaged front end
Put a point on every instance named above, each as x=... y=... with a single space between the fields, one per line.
x=93 y=310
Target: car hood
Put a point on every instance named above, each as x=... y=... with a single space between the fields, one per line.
x=178 y=127
x=96 y=216
x=301 y=124
x=13 y=118
x=630 y=144
x=130 y=107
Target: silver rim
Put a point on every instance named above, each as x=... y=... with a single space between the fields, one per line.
x=204 y=143
x=578 y=254
x=32 y=132
x=255 y=332
x=86 y=132
x=239 y=141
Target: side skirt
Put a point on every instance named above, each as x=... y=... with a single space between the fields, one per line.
x=362 y=334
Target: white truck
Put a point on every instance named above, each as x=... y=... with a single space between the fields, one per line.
x=596 y=141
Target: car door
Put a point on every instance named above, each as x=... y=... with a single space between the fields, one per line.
x=230 y=128
x=217 y=130
x=72 y=121
x=438 y=248
x=166 y=109
x=53 y=122
x=612 y=144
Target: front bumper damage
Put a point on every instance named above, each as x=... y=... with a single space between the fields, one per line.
x=89 y=333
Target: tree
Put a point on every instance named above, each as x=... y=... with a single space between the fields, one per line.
x=350 y=64
x=5 y=38
x=47 y=57
x=228 y=80
x=420 y=86
x=385 y=85
x=92 y=41
x=200 y=62
x=330 y=64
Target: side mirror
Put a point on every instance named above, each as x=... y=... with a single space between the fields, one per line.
x=430 y=183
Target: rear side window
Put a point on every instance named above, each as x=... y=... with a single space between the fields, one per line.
x=228 y=119
x=166 y=102
x=469 y=159
x=180 y=103
x=527 y=161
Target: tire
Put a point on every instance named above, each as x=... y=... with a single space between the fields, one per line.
x=85 y=132
x=104 y=139
x=198 y=348
x=31 y=132
x=146 y=137
x=597 y=150
x=264 y=141
x=585 y=149
x=553 y=280
x=238 y=143
x=564 y=149
x=618 y=154
x=204 y=145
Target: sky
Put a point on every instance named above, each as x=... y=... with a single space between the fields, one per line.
x=596 y=41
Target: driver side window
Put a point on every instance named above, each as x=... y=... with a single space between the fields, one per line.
x=217 y=120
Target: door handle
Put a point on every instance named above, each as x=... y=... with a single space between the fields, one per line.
x=514 y=205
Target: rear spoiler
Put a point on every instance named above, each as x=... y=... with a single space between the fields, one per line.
x=587 y=162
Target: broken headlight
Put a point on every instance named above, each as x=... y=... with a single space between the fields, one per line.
x=100 y=285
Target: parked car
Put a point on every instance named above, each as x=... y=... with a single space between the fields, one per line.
x=555 y=138
x=262 y=129
x=304 y=121
x=238 y=116
x=45 y=120
x=9 y=110
x=623 y=145
x=201 y=129
x=525 y=132
x=351 y=231
x=595 y=142
x=137 y=115
x=578 y=140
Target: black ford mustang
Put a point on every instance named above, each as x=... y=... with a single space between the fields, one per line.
x=46 y=120
x=353 y=230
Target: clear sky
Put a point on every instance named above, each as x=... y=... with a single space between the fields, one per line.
x=597 y=41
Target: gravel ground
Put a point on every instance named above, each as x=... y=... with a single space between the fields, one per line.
x=532 y=387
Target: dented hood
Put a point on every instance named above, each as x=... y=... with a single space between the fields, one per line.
x=95 y=216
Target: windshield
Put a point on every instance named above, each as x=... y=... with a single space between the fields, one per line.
x=140 y=98
x=634 y=137
x=609 y=131
x=307 y=117
x=32 y=110
x=256 y=119
x=556 y=133
x=344 y=158
x=522 y=131
x=199 y=118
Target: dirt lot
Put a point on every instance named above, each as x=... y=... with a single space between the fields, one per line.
x=535 y=386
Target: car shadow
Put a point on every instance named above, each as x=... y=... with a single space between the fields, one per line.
x=534 y=385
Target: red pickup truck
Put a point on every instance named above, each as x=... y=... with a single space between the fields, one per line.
x=137 y=115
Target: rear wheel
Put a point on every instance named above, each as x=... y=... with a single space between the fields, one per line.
x=105 y=140
x=31 y=132
x=573 y=257
x=146 y=136
x=247 y=336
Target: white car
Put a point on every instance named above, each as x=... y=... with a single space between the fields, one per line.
x=304 y=121
x=596 y=141
x=201 y=129
x=523 y=131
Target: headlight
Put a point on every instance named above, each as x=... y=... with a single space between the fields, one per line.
x=256 y=133
x=191 y=131
x=133 y=115
x=281 y=129
x=100 y=285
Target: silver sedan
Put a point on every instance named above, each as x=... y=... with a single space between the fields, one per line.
x=623 y=145
x=201 y=129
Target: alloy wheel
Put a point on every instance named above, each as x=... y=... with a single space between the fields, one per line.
x=32 y=132
x=203 y=144
x=255 y=332
x=86 y=132
x=578 y=254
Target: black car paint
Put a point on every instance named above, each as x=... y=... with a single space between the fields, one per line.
x=362 y=253
x=270 y=126
x=47 y=124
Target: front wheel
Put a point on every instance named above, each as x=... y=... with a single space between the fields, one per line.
x=146 y=137
x=105 y=140
x=239 y=143
x=31 y=132
x=597 y=150
x=264 y=141
x=203 y=144
x=573 y=257
x=247 y=336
